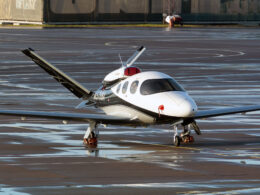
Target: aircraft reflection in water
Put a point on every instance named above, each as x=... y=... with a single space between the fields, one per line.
x=132 y=98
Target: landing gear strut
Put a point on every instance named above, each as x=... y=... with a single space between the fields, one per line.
x=176 y=138
x=184 y=137
x=91 y=136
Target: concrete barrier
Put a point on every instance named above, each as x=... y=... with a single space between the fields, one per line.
x=21 y=10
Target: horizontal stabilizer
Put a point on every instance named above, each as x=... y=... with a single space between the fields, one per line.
x=72 y=85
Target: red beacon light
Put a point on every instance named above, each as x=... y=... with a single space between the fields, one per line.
x=160 y=109
x=130 y=71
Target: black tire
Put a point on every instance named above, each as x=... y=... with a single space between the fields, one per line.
x=177 y=141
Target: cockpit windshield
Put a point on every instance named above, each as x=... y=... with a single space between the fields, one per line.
x=153 y=86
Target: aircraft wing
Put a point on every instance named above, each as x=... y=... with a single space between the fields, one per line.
x=225 y=111
x=99 y=118
x=72 y=85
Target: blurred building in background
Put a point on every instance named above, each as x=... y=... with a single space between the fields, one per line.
x=92 y=11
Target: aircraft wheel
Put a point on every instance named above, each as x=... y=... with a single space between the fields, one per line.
x=92 y=141
x=177 y=141
x=188 y=139
x=191 y=139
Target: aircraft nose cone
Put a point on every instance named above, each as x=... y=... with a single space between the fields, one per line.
x=188 y=109
x=179 y=104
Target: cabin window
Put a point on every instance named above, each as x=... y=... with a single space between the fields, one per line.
x=124 y=88
x=153 y=86
x=134 y=86
x=118 y=88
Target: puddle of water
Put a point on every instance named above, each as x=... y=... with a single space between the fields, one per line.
x=254 y=134
x=9 y=190
x=15 y=143
x=114 y=154
x=248 y=186
x=214 y=139
x=23 y=86
x=230 y=130
x=240 y=191
x=138 y=130
x=52 y=134
x=109 y=151
x=235 y=119
x=235 y=161
x=51 y=137
x=149 y=132
x=140 y=142
x=35 y=126
x=253 y=144
x=42 y=96
x=167 y=158
x=105 y=149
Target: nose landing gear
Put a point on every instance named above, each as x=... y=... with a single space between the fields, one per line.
x=184 y=137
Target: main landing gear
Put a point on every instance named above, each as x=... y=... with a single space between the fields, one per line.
x=184 y=137
x=91 y=136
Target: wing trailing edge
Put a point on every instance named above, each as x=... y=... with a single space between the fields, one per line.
x=76 y=88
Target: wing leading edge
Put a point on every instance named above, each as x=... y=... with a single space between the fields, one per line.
x=72 y=85
x=114 y=120
x=98 y=118
x=225 y=111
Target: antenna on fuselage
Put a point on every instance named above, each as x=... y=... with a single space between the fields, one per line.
x=122 y=63
x=125 y=70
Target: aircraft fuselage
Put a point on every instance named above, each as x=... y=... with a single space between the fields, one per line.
x=150 y=97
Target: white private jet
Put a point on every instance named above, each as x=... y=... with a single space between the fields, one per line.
x=132 y=98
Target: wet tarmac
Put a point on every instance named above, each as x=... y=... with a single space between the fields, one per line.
x=219 y=67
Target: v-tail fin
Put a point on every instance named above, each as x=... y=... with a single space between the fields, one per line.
x=76 y=88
